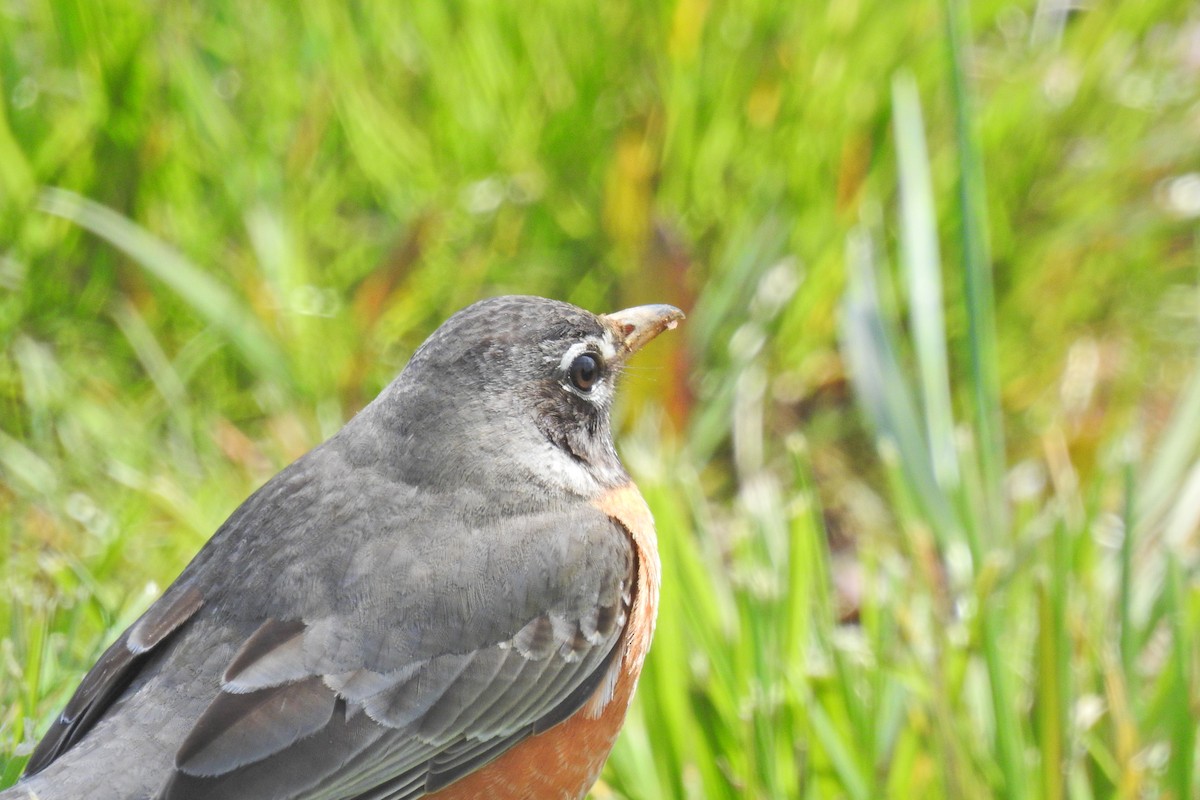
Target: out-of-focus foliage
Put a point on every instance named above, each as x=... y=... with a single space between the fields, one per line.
x=224 y=227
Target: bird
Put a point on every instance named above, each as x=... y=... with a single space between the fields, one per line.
x=452 y=597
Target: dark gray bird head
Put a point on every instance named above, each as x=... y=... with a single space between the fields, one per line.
x=516 y=387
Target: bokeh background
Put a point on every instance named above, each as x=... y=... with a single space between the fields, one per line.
x=923 y=456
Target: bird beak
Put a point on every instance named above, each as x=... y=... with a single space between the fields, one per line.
x=637 y=326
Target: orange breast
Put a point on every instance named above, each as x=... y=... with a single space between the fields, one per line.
x=564 y=762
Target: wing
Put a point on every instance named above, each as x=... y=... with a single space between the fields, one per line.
x=395 y=693
x=387 y=640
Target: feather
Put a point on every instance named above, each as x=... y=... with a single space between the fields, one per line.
x=239 y=729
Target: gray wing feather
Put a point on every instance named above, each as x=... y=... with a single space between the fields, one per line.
x=239 y=729
x=272 y=656
x=407 y=701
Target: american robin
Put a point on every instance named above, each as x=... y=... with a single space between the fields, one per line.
x=450 y=598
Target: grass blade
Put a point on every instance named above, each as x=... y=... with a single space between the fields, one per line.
x=882 y=387
x=212 y=302
x=922 y=269
x=977 y=274
x=1173 y=456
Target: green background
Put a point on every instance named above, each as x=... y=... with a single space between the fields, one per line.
x=224 y=226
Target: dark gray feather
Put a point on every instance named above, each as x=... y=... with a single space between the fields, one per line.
x=239 y=729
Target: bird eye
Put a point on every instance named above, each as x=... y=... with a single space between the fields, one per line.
x=584 y=372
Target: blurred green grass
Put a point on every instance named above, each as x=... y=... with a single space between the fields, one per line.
x=222 y=231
